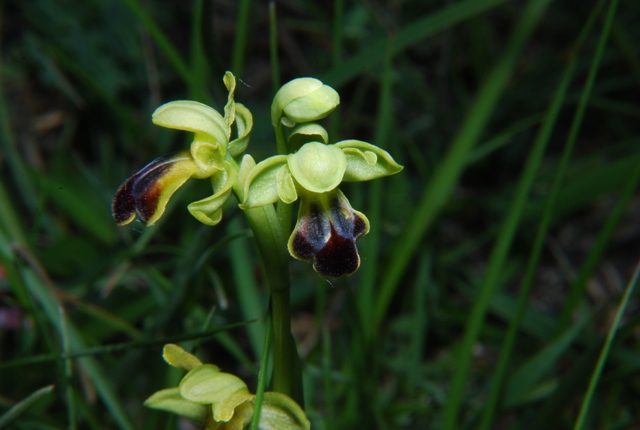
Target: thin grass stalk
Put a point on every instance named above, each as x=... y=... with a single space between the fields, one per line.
x=578 y=288
x=68 y=372
x=273 y=46
x=119 y=347
x=248 y=291
x=240 y=40
x=163 y=42
x=539 y=145
x=370 y=254
x=604 y=354
x=262 y=376
x=199 y=74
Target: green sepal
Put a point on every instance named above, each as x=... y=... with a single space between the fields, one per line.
x=318 y=167
x=192 y=116
x=170 y=400
x=209 y=211
x=281 y=412
x=244 y=124
x=261 y=186
x=207 y=385
x=366 y=162
x=178 y=357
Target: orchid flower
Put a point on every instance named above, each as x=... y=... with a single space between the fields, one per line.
x=211 y=155
x=327 y=226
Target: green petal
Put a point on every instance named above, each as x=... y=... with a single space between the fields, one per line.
x=282 y=413
x=224 y=391
x=366 y=162
x=178 y=357
x=286 y=186
x=261 y=187
x=314 y=106
x=193 y=116
x=318 y=167
x=208 y=156
x=170 y=400
x=244 y=124
x=307 y=132
x=230 y=109
x=209 y=211
x=224 y=410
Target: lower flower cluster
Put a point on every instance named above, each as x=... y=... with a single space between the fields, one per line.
x=222 y=401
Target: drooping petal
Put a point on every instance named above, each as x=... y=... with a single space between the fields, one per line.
x=209 y=211
x=366 y=162
x=326 y=232
x=147 y=193
x=244 y=124
x=318 y=167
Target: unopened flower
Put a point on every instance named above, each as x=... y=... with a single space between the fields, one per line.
x=211 y=155
x=327 y=226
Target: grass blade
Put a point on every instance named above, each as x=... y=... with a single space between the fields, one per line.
x=24 y=405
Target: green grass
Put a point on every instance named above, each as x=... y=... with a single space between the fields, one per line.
x=497 y=284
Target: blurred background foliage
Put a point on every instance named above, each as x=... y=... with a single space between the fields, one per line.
x=497 y=264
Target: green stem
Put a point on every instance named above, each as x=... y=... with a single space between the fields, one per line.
x=272 y=245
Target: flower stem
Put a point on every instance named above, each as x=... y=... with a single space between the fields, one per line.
x=272 y=245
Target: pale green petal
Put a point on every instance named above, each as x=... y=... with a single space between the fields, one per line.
x=366 y=161
x=225 y=408
x=280 y=412
x=246 y=166
x=224 y=391
x=307 y=132
x=286 y=186
x=290 y=91
x=261 y=187
x=244 y=124
x=230 y=109
x=209 y=211
x=207 y=156
x=170 y=400
x=313 y=106
x=178 y=357
x=318 y=167
x=192 y=116
x=207 y=385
